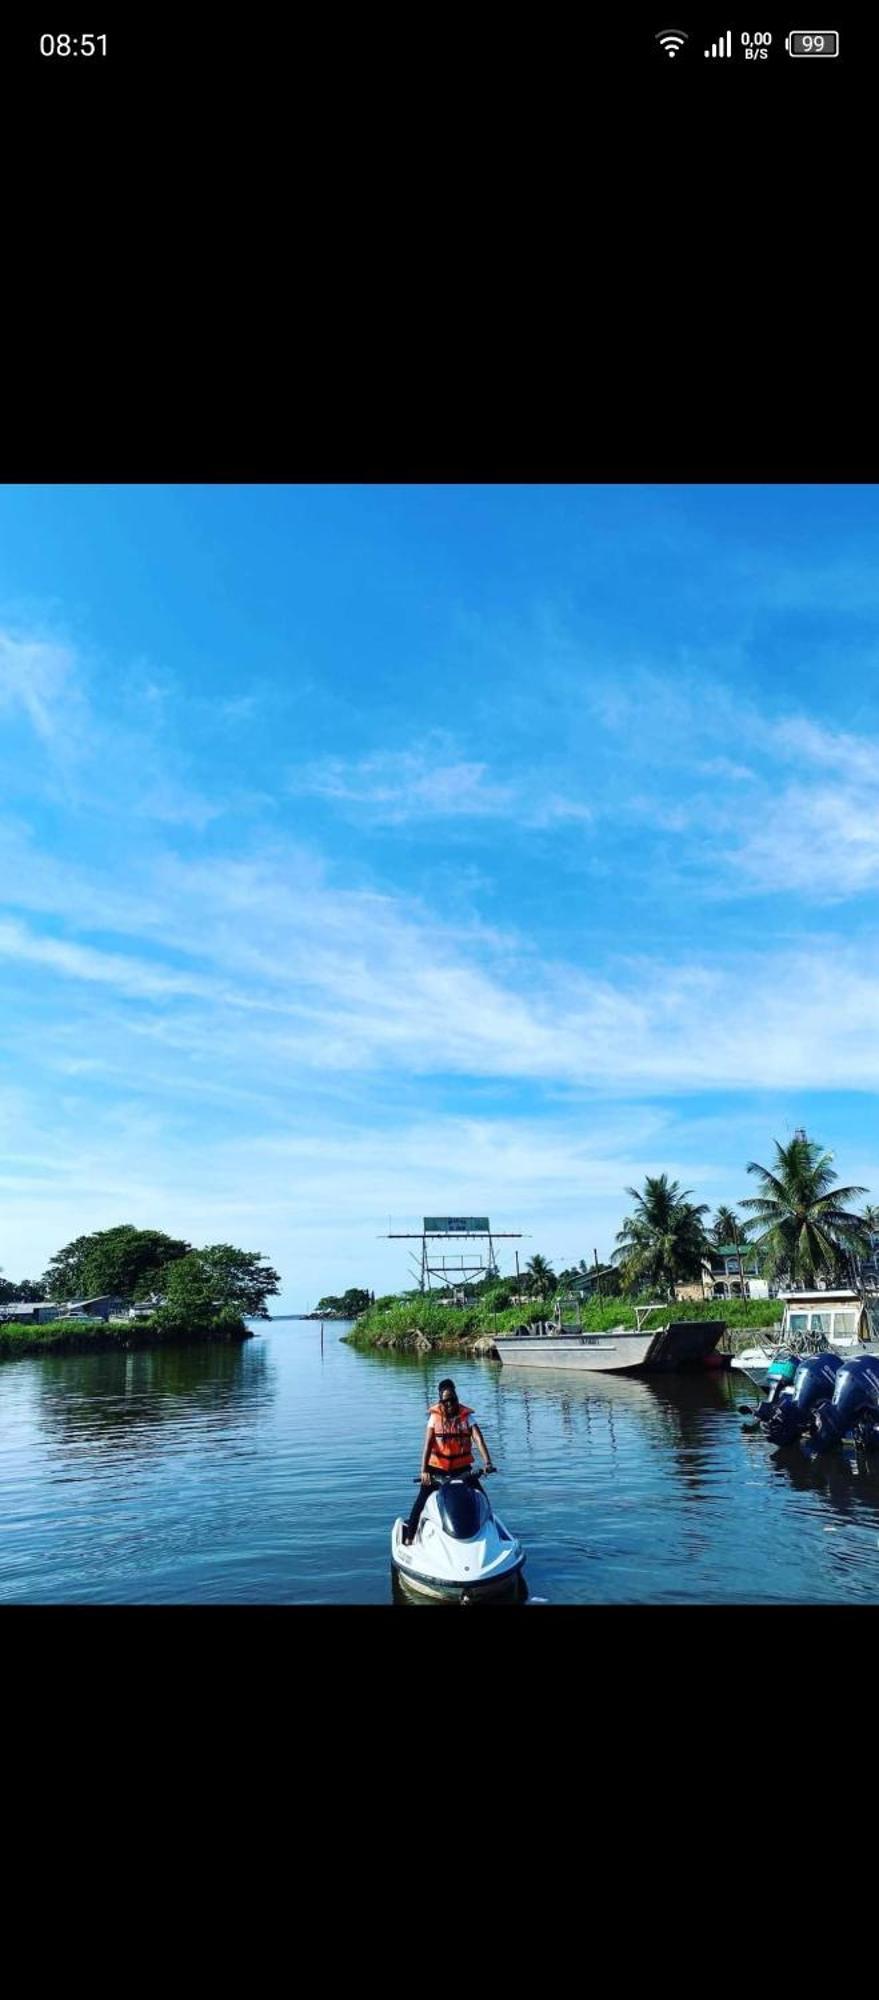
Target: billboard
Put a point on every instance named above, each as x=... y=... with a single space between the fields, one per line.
x=456 y=1225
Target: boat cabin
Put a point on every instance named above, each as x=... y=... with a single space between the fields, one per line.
x=837 y=1317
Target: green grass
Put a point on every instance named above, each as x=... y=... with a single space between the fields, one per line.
x=450 y=1329
x=63 y=1336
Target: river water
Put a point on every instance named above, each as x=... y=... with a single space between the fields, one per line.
x=271 y=1474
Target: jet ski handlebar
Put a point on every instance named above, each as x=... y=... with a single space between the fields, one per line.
x=482 y=1473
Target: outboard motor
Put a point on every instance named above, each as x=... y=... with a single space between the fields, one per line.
x=814 y=1381
x=853 y=1411
x=779 y=1377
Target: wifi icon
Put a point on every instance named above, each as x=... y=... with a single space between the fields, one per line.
x=670 y=40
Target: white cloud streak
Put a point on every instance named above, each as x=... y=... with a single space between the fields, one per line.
x=393 y=788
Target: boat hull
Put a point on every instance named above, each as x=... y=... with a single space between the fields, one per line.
x=682 y=1344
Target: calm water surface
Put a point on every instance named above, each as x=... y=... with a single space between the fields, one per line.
x=272 y=1474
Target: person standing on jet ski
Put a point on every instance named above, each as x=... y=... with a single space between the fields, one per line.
x=447 y=1448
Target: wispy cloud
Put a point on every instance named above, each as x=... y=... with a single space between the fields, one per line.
x=285 y=979
x=816 y=832
x=765 y=798
x=394 y=787
x=35 y=678
x=111 y=742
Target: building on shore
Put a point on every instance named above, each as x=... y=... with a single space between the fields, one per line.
x=107 y=1306
x=27 y=1313
x=723 y=1271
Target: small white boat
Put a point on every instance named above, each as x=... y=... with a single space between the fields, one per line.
x=623 y=1350
x=836 y=1321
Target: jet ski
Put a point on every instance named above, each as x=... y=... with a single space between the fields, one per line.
x=461 y=1552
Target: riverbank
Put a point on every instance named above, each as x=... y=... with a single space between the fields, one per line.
x=420 y=1325
x=95 y=1336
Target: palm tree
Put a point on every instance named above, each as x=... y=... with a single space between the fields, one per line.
x=727 y=1226
x=802 y=1220
x=664 y=1242
x=871 y=1220
x=541 y=1278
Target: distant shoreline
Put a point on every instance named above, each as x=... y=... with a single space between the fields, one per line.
x=320 y=1316
x=103 y=1336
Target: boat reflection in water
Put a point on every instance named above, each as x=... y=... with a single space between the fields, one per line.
x=844 y=1487
x=676 y=1410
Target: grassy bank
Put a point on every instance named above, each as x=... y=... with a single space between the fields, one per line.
x=415 y=1324
x=61 y=1336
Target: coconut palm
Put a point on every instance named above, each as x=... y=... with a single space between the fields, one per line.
x=541 y=1278
x=664 y=1242
x=727 y=1226
x=800 y=1220
x=870 y=1220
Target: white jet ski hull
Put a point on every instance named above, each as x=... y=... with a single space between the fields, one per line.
x=457 y=1572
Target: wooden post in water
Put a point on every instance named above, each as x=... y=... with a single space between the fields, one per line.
x=321 y=1336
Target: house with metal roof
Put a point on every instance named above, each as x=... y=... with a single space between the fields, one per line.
x=107 y=1306
x=26 y=1312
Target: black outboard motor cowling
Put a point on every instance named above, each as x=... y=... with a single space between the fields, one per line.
x=814 y=1381
x=854 y=1408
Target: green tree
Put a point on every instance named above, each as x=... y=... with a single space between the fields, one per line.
x=239 y=1279
x=540 y=1278
x=870 y=1220
x=800 y=1220
x=124 y=1260
x=28 y=1289
x=663 y=1243
x=189 y=1306
x=726 y=1226
x=354 y=1301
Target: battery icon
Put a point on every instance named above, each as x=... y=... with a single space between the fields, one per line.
x=812 y=42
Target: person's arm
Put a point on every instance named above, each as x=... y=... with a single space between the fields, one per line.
x=426 y=1451
x=486 y=1454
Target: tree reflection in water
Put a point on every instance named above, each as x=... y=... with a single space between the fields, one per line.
x=131 y=1404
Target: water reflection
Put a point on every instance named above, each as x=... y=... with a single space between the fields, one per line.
x=679 y=1412
x=133 y=1404
x=845 y=1483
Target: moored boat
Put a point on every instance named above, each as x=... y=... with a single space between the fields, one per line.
x=836 y=1321
x=663 y=1349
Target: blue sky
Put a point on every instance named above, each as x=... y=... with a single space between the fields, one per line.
x=380 y=851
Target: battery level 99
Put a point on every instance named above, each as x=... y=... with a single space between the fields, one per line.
x=812 y=42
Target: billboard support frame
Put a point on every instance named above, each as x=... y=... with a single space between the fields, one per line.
x=452 y=1228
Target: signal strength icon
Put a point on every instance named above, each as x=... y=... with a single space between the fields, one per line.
x=723 y=47
x=670 y=39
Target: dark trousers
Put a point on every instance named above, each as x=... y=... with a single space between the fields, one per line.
x=423 y=1495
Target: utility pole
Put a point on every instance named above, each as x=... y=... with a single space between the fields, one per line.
x=597 y=1277
x=741 y=1268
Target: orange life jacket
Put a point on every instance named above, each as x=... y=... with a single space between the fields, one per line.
x=451 y=1450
